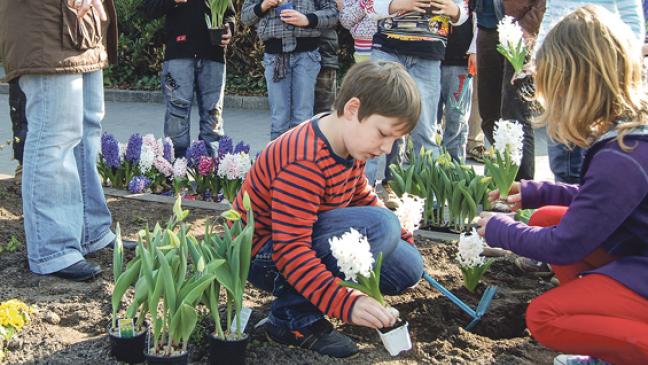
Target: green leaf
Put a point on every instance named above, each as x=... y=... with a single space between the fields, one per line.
x=231 y=215
x=118 y=254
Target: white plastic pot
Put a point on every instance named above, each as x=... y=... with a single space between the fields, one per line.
x=397 y=340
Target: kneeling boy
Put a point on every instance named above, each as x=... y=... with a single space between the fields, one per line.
x=309 y=185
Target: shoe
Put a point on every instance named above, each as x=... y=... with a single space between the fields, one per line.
x=578 y=360
x=18 y=175
x=127 y=244
x=81 y=271
x=390 y=199
x=476 y=153
x=320 y=337
x=533 y=266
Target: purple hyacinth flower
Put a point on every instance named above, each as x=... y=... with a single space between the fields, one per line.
x=110 y=150
x=195 y=151
x=168 y=152
x=242 y=147
x=138 y=184
x=134 y=148
x=225 y=146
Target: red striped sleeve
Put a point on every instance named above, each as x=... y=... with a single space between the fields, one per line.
x=296 y=196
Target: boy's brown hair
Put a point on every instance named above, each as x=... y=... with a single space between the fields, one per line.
x=384 y=88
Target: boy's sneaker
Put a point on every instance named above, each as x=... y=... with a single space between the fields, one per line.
x=578 y=360
x=477 y=153
x=320 y=337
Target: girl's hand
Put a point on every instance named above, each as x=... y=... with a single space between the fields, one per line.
x=484 y=217
x=267 y=4
x=292 y=16
x=369 y=313
x=514 y=196
x=405 y=6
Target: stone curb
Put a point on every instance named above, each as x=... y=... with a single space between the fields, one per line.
x=221 y=207
x=141 y=96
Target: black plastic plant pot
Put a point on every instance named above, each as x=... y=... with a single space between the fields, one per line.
x=180 y=359
x=128 y=349
x=227 y=352
x=216 y=36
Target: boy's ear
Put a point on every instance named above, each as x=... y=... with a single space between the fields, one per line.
x=351 y=108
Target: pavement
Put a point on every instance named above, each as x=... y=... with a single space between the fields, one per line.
x=251 y=125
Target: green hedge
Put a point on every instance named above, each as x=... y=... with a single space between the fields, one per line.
x=141 y=53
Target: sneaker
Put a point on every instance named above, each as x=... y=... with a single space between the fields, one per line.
x=533 y=266
x=476 y=153
x=390 y=199
x=578 y=360
x=320 y=337
x=18 y=175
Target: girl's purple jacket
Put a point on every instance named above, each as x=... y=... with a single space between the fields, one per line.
x=609 y=209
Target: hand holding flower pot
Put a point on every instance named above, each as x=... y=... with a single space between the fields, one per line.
x=473 y=265
x=215 y=20
x=354 y=258
x=504 y=160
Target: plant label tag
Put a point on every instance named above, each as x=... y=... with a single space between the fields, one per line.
x=126 y=328
x=245 y=317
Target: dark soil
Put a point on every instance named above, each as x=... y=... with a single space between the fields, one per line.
x=70 y=324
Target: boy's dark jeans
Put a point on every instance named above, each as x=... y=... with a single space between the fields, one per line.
x=17 y=103
x=498 y=98
x=402 y=263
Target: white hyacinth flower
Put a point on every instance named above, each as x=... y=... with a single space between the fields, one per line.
x=244 y=164
x=509 y=137
x=410 y=211
x=147 y=157
x=180 y=168
x=353 y=255
x=122 y=151
x=510 y=33
x=470 y=247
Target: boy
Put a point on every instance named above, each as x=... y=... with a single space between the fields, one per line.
x=290 y=31
x=308 y=186
x=192 y=64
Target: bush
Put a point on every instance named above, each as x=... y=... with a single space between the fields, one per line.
x=141 y=53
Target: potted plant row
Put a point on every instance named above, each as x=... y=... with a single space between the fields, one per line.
x=173 y=273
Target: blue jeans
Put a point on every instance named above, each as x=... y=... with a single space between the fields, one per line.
x=180 y=79
x=565 y=163
x=66 y=216
x=292 y=98
x=402 y=263
x=427 y=74
x=454 y=82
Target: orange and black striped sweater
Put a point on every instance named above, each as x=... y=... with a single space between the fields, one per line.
x=294 y=178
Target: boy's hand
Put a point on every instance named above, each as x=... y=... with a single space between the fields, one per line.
x=446 y=7
x=227 y=37
x=267 y=4
x=292 y=16
x=369 y=313
x=405 y=6
x=339 y=4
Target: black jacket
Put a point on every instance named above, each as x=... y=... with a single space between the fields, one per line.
x=186 y=34
x=458 y=44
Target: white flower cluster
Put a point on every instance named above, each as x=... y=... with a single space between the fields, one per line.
x=510 y=33
x=470 y=248
x=353 y=255
x=147 y=157
x=410 y=211
x=180 y=168
x=234 y=166
x=122 y=151
x=509 y=136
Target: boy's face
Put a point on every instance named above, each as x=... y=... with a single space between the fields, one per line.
x=372 y=137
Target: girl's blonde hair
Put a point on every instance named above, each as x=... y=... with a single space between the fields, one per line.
x=588 y=78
